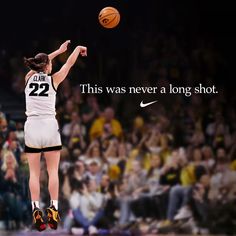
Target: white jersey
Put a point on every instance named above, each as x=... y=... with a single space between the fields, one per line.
x=40 y=96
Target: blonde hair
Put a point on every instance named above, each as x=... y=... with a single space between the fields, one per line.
x=6 y=154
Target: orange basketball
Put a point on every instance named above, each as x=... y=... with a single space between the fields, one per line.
x=109 y=17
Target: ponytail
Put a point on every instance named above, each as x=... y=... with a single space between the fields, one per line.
x=37 y=63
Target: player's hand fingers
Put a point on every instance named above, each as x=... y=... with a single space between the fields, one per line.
x=66 y=43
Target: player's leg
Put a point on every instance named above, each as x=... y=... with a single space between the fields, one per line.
x=52 y=147
x=52 y=161
x=34 y=185
x=33 y=155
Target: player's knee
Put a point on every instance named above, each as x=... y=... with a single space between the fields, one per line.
x=53 y=173
x=34 y=176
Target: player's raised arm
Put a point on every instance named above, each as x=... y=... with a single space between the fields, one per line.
x=59 y=51
x=59 y=76
x=51 y=56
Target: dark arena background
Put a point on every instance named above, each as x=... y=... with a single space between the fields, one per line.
x=168 y=168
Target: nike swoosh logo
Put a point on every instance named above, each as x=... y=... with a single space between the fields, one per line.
x=146 y=104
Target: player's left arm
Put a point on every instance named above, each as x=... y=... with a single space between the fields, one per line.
x=59 y=51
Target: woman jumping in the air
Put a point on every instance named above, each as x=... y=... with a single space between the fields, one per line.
x=41 y=128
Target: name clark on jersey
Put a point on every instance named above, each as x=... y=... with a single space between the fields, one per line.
x=39 y=78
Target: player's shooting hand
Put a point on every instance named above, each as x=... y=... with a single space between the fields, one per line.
x=83 y=51
x=64 y=46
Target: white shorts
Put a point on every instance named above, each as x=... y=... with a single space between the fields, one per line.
x=42 y=134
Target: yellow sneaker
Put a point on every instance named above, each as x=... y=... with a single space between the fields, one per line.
x=52 y=217
x=38 y=221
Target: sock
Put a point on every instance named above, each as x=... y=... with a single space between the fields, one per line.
x=54 y=203
x=35 y=204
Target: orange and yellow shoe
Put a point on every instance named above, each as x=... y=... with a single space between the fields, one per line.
x=38 y=221
x=53 y=217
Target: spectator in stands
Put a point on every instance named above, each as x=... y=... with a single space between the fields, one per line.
x=3 y=131
x=76 y=138
x=223 y=182
x=197 y=138
x=93 y=153
x=130 y=190
x=65 y=115
x=138 y=130
x=171 y=170
x=89 y=209
x=20 y=133
x=11 y=190
x=152 y=195
x=94 y=171
x=208 y=157
x=110 y=193
x=106 y=125
x=199 y=201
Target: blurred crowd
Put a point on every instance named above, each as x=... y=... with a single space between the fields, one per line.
x=169 y=167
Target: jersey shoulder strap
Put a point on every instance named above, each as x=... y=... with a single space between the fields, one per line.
x=53 y=83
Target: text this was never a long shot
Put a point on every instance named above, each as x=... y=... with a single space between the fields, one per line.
x=170 y=89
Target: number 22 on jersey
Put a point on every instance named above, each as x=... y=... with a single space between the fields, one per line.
x=39 y=89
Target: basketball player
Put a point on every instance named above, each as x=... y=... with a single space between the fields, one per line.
x=41 y=127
